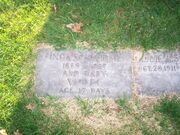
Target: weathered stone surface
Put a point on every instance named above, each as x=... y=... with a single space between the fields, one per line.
x=159 y=73
x=83 y=73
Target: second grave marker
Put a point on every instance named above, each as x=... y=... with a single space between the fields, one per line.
x=159 y=73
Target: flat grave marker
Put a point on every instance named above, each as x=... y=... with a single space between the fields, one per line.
x=92 y=74
x=83 y=73
x=159 y=73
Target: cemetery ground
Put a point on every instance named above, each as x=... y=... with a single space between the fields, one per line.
x=106 y=25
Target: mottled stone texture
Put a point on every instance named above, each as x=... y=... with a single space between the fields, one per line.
x=83 y=73
x=159 y=73
x=92 y=74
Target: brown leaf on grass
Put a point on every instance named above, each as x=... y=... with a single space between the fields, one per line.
x=75 y=27
x=30 y=106
x=17 y=132
x=3 y=132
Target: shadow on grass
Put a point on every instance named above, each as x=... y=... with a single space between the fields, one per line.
x=171 y=108
x=25 y=120
x=20 y=22
x=35 y=121
x=96 y=18
x=149 y=24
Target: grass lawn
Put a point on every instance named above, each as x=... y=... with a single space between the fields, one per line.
x=115 y=24
x=149 y=24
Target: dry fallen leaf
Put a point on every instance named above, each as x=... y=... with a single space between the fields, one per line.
x=30 y=106
x=17 y=132
x=75 y=27
x=3 y=132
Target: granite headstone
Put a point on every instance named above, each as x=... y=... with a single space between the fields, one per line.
x=83 y=73
x=159 y=73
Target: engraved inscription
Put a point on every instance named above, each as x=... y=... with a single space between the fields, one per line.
x=159 y=73
x=162 y=57
x=83 y=73
x=159 y=68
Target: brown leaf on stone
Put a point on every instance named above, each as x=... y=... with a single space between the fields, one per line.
x=75 y=27
x=17 y=132
x=3 y=132
x=30 y=106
